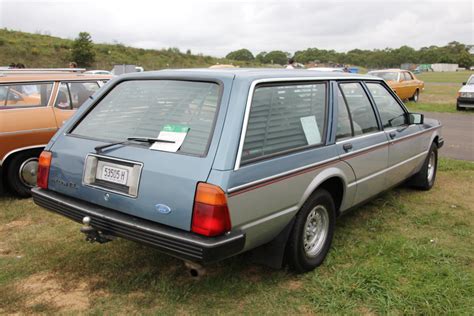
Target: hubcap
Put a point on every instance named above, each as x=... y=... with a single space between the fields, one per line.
x=316 y=230
x=431 y=166
x=27 y=172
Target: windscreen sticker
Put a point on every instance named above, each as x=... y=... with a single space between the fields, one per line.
x=311 y=130
x=175 y=134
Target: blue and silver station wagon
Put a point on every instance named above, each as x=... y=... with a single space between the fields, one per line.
x=205 y=164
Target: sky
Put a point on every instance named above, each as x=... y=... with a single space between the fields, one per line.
x=216 y=27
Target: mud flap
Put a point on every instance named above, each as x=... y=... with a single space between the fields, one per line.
x=272 y=254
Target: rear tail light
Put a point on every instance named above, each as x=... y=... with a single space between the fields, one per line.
x=43 y=169
x=210 y=213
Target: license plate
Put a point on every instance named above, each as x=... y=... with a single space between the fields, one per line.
x=115 y=175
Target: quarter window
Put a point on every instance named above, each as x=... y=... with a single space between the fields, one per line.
x=283 y=118
x=25 y=95
x=344 y=128
x=391 y=113
x=363 y=116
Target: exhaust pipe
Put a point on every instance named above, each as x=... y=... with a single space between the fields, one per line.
x=195 y=269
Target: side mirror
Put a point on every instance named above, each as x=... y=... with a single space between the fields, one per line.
x=416 y=118
x=464 y=83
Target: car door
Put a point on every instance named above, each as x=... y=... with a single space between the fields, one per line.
x=410 y=85
x=70 y=96
x=360 y=141
x=404 y=147
x=26 y=120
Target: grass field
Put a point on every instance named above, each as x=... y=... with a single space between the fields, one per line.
x=440 y=92
x=407 y=252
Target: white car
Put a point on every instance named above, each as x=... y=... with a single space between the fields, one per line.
x=98 y=72
x=466 y=95
x=327 y=69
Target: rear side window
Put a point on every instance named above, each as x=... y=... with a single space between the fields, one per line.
x=141 y=108
x=284 y=117
x=363 y=116
x=391 y=113
x=25 y=95
x=72 y=95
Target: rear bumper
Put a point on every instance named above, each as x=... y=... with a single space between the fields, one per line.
x=172 y=241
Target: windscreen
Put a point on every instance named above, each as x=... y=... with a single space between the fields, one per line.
x=141 y=108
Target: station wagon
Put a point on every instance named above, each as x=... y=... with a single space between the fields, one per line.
x=34 y=103
x=205 y=164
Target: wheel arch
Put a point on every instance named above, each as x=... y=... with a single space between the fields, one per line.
x=12 y=154
x=332 y=180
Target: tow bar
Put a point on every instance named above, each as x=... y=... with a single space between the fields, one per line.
x=92 y=234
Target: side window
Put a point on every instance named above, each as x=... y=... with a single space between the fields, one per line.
x=80 y=91
x=407 y=76
x=362 y=114
x=283 y=118
x=72 y=95
x=391 y=113
x=63 y=100
x=344 y=128
x=25 y=95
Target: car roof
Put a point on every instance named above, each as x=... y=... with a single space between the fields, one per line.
x=6 y=77
x=249 y=74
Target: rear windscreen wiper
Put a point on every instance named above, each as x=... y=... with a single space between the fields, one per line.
x=98 y=149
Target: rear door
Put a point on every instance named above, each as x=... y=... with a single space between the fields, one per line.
x=404 y=146
x=25 y=118
x=360 y=141
x=134 y=178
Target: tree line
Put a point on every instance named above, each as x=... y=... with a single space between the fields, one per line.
x=454 y=52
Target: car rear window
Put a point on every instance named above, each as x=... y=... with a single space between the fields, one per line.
x=141 y=108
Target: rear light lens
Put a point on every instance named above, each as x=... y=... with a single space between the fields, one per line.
x=43 y=169
x=210 y=214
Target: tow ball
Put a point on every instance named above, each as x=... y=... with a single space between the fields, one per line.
x=92 y=234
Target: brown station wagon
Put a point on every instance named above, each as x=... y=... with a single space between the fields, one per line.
x=33 y=105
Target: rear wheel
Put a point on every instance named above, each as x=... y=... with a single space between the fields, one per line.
x=415 y=96
x=21 y=173
x=425 y=178
x=312 y=233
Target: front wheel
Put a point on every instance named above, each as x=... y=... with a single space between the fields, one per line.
x=312 y=232
x=21 y=173
x=425 y=178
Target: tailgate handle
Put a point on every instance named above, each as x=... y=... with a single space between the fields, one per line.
x=347 y=146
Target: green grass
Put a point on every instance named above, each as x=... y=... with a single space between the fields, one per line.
x=445 y=77
x=407 y=252
x=432 y=107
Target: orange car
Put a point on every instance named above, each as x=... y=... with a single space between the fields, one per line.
x=403 y=83
x=33 y=105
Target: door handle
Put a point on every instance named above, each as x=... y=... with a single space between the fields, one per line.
x=347 y=146
x=392 y=135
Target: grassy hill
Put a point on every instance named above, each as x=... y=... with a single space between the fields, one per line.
x=37 y=50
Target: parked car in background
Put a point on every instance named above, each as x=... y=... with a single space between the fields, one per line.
x=465 y=98
x=327 y=69
x=403 y=82
x=33 y=105
x=98 y=72
x=205 y=164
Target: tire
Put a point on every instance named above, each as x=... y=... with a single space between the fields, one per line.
x=425 y=178
x=21 y=173
x=416 y=96
x=303 y=259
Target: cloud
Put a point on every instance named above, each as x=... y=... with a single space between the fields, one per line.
x=217 y=27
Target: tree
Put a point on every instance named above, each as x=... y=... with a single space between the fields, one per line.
x=261 y=57
x=83 y=50
x=465 y=59
x=241 y=54
x=276 y=57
